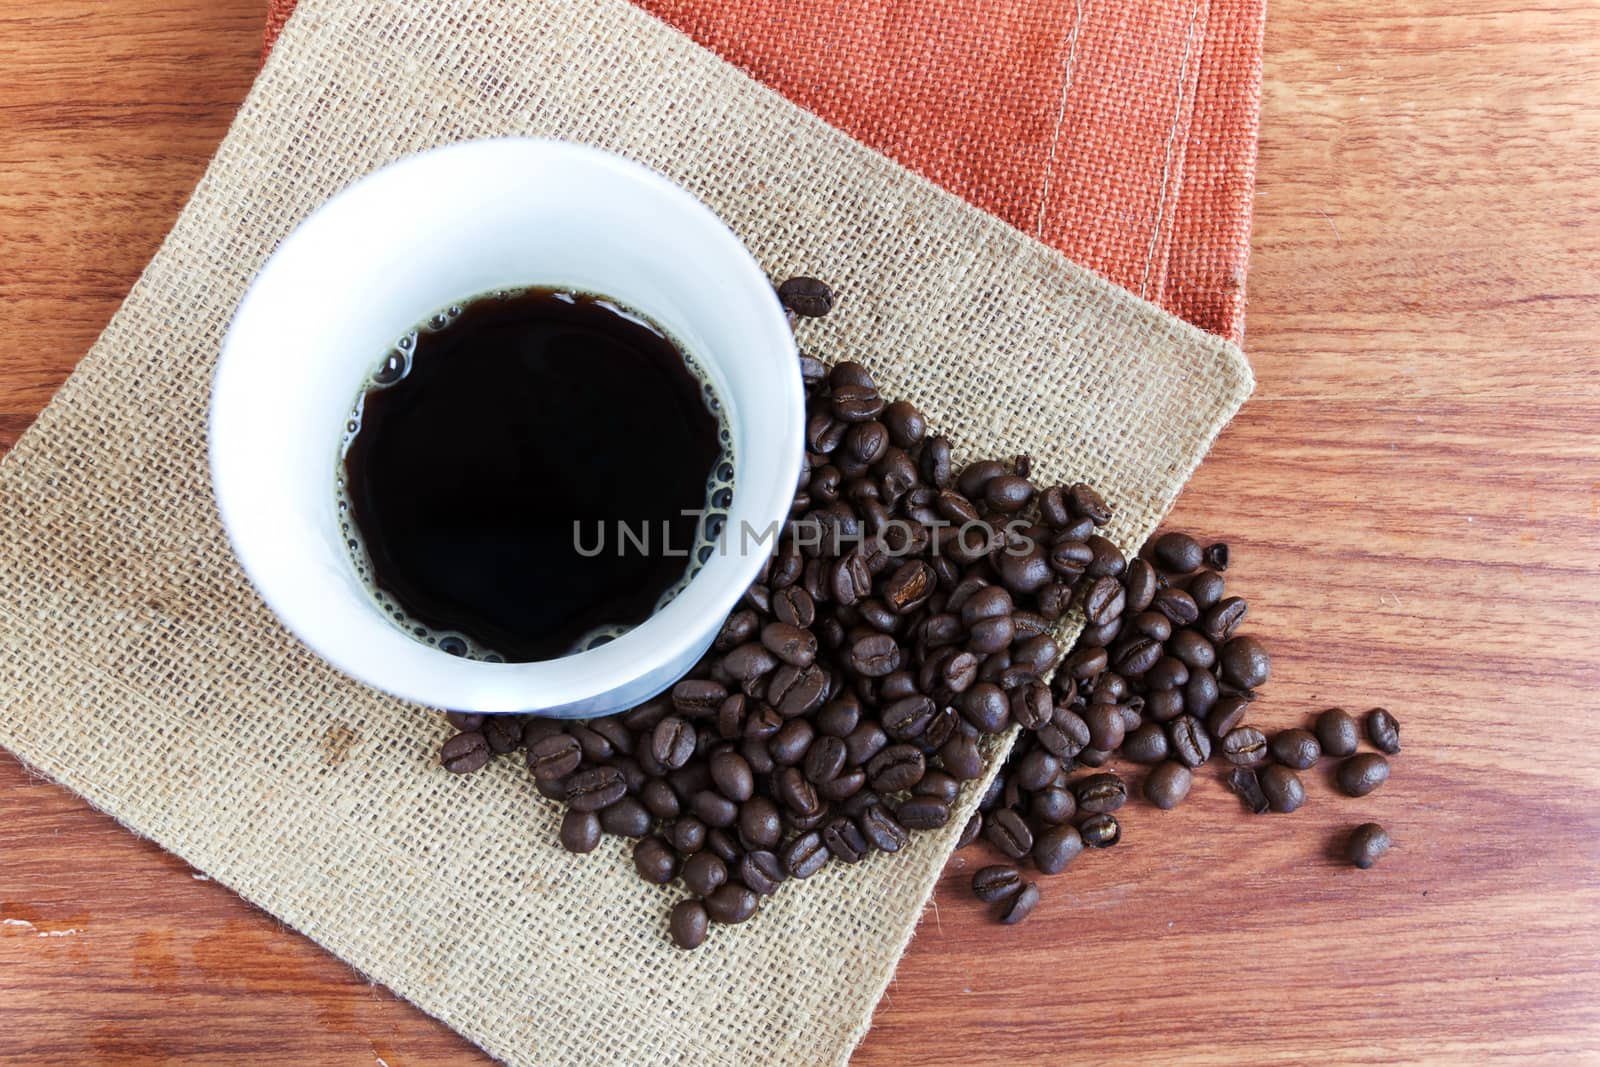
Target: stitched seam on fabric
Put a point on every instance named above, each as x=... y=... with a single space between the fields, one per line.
x=1061 y=115
x=1172 y=137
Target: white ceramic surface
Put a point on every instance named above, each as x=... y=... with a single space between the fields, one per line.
x=416 y=236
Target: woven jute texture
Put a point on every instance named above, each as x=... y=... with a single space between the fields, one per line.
x=141 y=670
x=1123 y=134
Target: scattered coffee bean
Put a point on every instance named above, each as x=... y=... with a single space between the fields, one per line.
x=1101 y=831
x=1337 y=733
x=1244 y=784
x=1368 y=843
x=1177 y=553
x=1383 y=731
x=580 y=830
x=732 y=903
x=465 y=753
x=1021 y=906
x=688 y=923
x=1362 y=773
x=1245 y=747
x=1296 y=748
x=806 y=297
x=1167 y=784
x=996 y=883
x=1282 y=787
x=1056 y=847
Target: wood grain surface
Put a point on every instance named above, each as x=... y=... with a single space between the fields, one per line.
x=1413 y=498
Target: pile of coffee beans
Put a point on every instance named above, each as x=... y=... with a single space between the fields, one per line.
x=1160 y=676
x=904 y=618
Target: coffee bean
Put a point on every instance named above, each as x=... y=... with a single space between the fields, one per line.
x=1056 y=847
x=1021 y=906
x=906 y=424
x=1200 y=693
x=789 y=745
x=1031 y=706
x=1177 y=553
x=797 y=794
x=1136 y=656
x=1243 y=783
x=1147 y=744
x=703 y=873
x=1206 y=589
x=805 y=855
x=961 y=758
x=1282 y=787
x=759 y=823
x=1140 y=582
x=1222 y=618
x=1052 y=807
x=1177 y=605
x=923 y=813
x=1192 y=650
x=794 y=606
x=687 y=834
x=1361 y=774
x=1085 y=663
x=1217 y=556
x=882 y=830
x=1104 y=601
x=1036 y=770
x=1084 y=501
x=995 y=883
x=688 y=924
x=909 y=718
x=1296 y=748
x=626 y=818
x=672 y=742
x=1245 y=663
x=761 y=871
x=895 y=768
x=1226 y=716
x=844 y=840
x=698 y=698
x=595 y=789
x=1166 y=673
x=1191 y=745
x=1337 y=733
x=864 y=742
x=1100 y=831
x=1070 y=558
x=986 y=707
x=714 y=809
x=1009 y=832
x=1152 y=624
x=1066 y=735
x=1383 y=730
x=595 y=747
x=580 y=831
x=1245 y=746
x=555 y=757
x=465 y=753
x=465 y=721
x=503 y=733
x=1167 y=784
x=732 y=903
x=748 y=662
x=1008 y=493
x=1100 y=793
x=1107 y=561
x=806 y=297
x=1368 y=843
x=791 y=644
x=655 y=861
x=824 y=761
x=970 y=832
x=936 y=466
x=733 y=777
x=1106 y=726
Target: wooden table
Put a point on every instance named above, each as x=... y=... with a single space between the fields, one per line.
x=1413 y=497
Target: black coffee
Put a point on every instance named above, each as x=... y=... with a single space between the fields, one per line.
x=529 y=470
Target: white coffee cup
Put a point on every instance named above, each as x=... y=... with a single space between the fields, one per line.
x=432 y=230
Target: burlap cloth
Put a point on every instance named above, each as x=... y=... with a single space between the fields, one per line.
x=141 y=670
x=1123 y=134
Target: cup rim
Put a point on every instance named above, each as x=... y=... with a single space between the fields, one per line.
x=572 y=684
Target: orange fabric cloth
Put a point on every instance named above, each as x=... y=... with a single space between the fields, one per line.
x=1122 y=133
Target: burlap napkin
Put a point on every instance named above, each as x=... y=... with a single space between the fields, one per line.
x=1122 y=134
x=140 y=669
